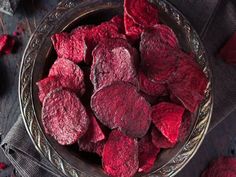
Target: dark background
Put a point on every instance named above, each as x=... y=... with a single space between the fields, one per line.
x=214 y=20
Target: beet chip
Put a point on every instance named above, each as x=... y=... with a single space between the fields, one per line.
x=71 y=46
x=64 y=117
x=69 y=74
x=167 y=118
x=119 y=105
x=188 y=83
x=147 y=154
x=47 y=85
x=96 y=148
x=149 y=87
x=228 y=52
x=94 y=133
x=113 y=60
x=120 y=155
x=222 y=167
x=160 y=141
x=158 y=49
x=6 y=44
x=142 y=12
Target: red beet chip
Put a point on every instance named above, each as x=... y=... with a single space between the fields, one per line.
x=120 y=155
x=132 y=30
x=142 y=12
x=188 y=83
x=113 y=60
x=185 y=126
x=64 y=117
x=160 y=141
x=6 y=44
x=222 y=167
x=47 y=85
x=69 y=74
x=119 y=105
x=158 y=49
x=149 y=87
x=147 y=154
x=71 y=46
x=94 y=132
x=86 y=146
x=2 y=166
x=167 y=117
x=228 y=51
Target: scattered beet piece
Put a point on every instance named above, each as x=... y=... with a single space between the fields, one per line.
x=47 y=85
x=185 y=126
x=119 y=105
x=142 y=12
x=167 y=118
x=2 y=166
x=86 y=146
x=120 y=155
x=113 y=60
x=188 y=83
x=6 y=44
x=149 y=87
x=68 y=120
x=228 y=51
x=160 y=141
x=69 y=75
x=147 y=154
x=158 y=49
x=222 y=167
x=94 y=132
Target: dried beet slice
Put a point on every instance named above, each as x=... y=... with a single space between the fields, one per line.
x=147 y=154
x=119 y=105
x=167 y=118
x=142 y=12
x=94 y=132
x=6 y=44
x=158 y=48
x=96 y=148
x=185 y=126
x=71 y=45
x=47 y=85
x=69 y=74
x=228 y=51
x=160 y=141
x=132 y=30
x=149 y=87
x=113 y=60
x=188 y=83
x=64 y=117
x=120 y=155
x=222 y=167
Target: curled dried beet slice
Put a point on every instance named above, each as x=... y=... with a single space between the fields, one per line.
x=119 y=105
x=188 y=83
x=160 y=141
x=96 y=148
x=147 y=154
x=142 y=12
x=113 y=60
x=222 y=167
x=69 y=75
x=149 y=87
x=47 y=85
x=158 y=48
x=167 y=118
x=64 y=117
x=120 y=155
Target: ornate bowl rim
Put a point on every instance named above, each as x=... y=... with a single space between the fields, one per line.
x=27 y=104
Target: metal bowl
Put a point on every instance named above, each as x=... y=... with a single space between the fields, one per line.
x=39 y=56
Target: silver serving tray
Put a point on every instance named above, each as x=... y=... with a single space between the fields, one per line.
x=39 y=56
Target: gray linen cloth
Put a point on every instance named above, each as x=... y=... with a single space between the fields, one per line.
x=215 y=21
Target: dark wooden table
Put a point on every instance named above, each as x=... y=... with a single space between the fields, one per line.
x=220 y=141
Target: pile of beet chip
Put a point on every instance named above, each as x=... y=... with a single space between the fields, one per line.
x=122 y=102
